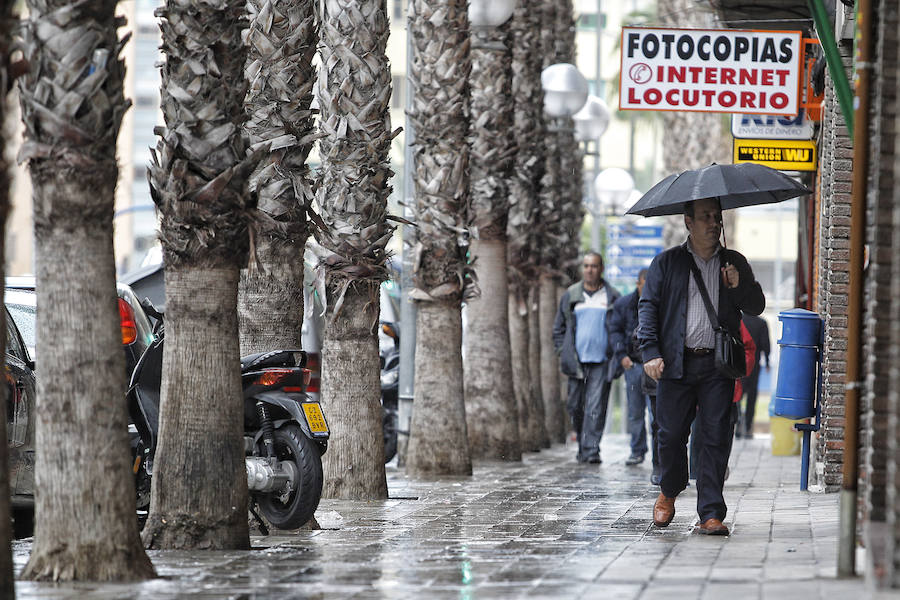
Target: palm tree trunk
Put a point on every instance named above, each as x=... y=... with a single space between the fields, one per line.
x=72 y=105
x=535 y=357
x=198 y=179
x=439 y=37
x=491 y=412
x=530 y=435
x=438 y=440
x=282 y=42
x=7 y=579
x=194 y=500
x=351 y=391
x=554 y=412
x=524 y=224
x=354 y=88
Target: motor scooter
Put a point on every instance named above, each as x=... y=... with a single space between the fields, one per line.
x=285 y=433
x=390 y=371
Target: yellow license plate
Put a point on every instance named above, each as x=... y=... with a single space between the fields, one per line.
x=315 y=418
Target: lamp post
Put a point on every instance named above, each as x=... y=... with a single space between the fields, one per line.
x=591 y=122
x=490 y=13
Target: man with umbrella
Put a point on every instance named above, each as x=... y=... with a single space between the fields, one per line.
x=677 y=332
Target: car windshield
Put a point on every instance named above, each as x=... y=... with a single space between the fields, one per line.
x=21 y=305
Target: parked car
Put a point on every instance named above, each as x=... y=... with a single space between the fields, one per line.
x=21 y=314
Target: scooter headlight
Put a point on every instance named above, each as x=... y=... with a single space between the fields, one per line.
x=389 y=377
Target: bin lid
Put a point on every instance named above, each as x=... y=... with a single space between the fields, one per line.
x=798 y=313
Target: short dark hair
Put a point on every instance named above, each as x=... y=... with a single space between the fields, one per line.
x=642 y=274
x=689 y=206
x=597 y=254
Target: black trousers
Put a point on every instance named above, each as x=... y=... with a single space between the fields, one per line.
x=706 y=395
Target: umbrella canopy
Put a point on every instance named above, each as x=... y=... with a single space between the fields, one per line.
x=745 y=184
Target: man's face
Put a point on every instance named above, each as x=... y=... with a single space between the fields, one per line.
x=640 y=284
x=706 y=224
x=592 y=269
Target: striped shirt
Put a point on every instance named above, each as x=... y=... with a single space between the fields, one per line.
x=699 y=332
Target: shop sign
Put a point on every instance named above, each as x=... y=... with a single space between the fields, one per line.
x=767 y=127
x=784 y=155
x=711 y=70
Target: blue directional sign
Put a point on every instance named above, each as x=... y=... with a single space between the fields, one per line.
x=626 y=230
x=634 y=251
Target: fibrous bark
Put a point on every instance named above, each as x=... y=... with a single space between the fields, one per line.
x=535 y=358
x=354 y=90
x=523 y=225
x=491 y=411
x=72 y=107
x=282 y=41
x=439 y=72
x=7 y=23
x=198 y=180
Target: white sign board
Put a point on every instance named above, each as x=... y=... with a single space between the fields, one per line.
x=768 y=127
x=711 y=70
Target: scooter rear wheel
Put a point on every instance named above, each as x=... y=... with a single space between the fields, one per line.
x=291 y=444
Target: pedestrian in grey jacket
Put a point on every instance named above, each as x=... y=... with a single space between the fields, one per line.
x=581 y=338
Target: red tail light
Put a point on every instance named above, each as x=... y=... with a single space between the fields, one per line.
x=271 y=377
x=314 y=368
x=126 y=318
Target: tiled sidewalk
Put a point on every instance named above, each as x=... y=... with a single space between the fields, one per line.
x=543 y=528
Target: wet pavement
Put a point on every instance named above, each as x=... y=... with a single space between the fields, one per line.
x=543 y=528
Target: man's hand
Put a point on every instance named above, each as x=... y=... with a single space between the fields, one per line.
x=654 y=368
x=626 y=363
x=730 y=276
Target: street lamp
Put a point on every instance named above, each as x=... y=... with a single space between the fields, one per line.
x=565 y=90
x=612 y=189
x=490 y=13
x=592 y=120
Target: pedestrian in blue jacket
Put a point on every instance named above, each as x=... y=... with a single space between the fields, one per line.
x=581 y=338
x=677 y=343
x=622 y=322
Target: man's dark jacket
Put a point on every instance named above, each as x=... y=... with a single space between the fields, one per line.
x=564 y=326
x=662 y=310
x=622 y=322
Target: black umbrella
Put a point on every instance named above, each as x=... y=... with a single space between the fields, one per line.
x=745 y=184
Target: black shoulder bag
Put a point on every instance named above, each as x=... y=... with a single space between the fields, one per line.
x=731 y=361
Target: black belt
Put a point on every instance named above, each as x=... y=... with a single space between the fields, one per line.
x=698 y=351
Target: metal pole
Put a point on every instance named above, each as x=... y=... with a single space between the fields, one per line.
x=406 y=376
x=854 y=378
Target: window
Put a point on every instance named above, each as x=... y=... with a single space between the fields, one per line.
x=588 y=21
x=398 y=12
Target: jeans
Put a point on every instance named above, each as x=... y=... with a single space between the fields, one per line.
x=637 y=406
x=707 y=396
x=587 y=404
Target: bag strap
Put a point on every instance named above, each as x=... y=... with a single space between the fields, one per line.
x=713 y=318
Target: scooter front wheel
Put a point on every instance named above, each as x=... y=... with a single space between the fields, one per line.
x=298 y=508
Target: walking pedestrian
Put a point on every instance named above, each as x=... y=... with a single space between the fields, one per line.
x=677 y=344
x=759 y=331
x=622 y=322
x=581 y=338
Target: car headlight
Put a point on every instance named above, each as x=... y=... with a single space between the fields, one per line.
x=389 y=377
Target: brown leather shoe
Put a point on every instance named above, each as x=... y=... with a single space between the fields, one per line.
x=712 y=526
x=663 y=511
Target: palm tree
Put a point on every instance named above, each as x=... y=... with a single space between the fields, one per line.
x=552 y=239
x=440 y=72
x=491 y=410
x=527 y=126
x=72 y=107
x=282 y=41
x=354 y=90
x=7 y=23
x=198 y=180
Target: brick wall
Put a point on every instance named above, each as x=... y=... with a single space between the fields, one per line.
x=875 y=409
x=835 y=163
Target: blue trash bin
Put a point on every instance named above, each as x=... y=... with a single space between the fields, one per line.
x=795 y=392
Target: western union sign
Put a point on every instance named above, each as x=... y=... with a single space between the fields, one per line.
x=784 y=155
